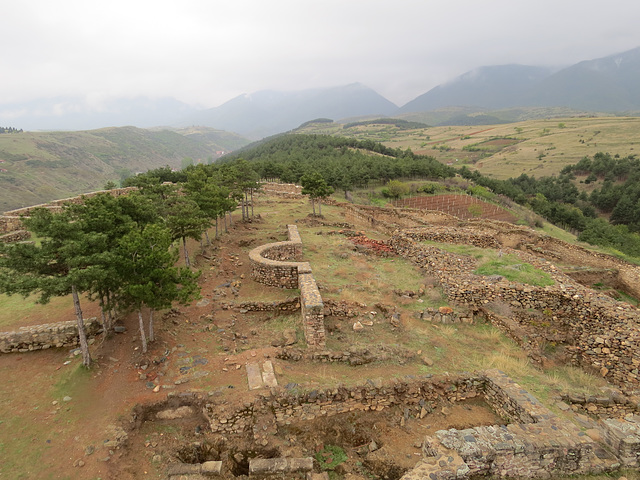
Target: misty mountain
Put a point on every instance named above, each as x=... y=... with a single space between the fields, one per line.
x=609 y=84
x=265 y=113
x=492 y=87
x=71 y=113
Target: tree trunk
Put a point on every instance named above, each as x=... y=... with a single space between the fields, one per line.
x=252 y=203
x=230 y=220
x=319 y=207
x=186 y=253
x=217 y=228
x=313 y=205
x=142 y=335
x=206 y=234
x=151 y=334
x=103 y=317
x=82 y=334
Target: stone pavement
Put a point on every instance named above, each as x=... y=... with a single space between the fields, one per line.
x=258 y=379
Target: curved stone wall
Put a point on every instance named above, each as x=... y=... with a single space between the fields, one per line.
x=271 y=265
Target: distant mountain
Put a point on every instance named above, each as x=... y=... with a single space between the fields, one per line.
x=36 y=167
x=609 y=84
x=71 y=113
x=493 y=87
x=265 y=113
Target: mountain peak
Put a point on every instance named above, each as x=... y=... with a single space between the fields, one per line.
x=267 y=112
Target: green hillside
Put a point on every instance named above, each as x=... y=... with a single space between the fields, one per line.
x=539 y=147
x=36 y=167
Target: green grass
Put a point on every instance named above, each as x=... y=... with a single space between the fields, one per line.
x=15 y=310
x=45 y=166
x=512 y=268
x=492 y=262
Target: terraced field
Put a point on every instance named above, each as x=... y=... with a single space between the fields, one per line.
x=462 y=206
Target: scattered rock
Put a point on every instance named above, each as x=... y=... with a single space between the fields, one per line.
x=427 y=361
x=203 y=303
x=357 y=327
x=172 y=414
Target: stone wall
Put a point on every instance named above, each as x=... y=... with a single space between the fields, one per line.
x=417 y=394
x=532 y=443
x=10 y=222
x=42 y=337
x=537 y=444
x=622 y=436
x=610 y=404
x=116 y=192
x=282 y=189
x=600 y=332
x=312 y=311
x=15 y=236
x=270 y=266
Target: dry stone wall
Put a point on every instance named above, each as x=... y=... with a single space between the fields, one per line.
x=532 y=443
x=42 y=337
x=425 y=392
x=116 y=192
x=537 y=444
x=12 y=230
x=602 y=334
x=282 y=189
x=16 y=236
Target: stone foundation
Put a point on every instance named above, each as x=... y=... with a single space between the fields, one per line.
x=599 y=332
x=533 y=442
x=537 y=445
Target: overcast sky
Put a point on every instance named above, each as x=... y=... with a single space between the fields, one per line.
x=205 y=52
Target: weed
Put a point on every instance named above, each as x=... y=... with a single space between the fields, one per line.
x=330 y=457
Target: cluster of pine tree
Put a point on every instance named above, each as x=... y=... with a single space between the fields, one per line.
x=120 y=251
x=10 y=130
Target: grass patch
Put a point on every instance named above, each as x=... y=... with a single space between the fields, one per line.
x=330 y=457
x=492 y=262
x=17 y=311
x=71 y=382
x=510 y=267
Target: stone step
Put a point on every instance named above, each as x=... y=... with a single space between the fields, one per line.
x=254 y=377
x=268 y=375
